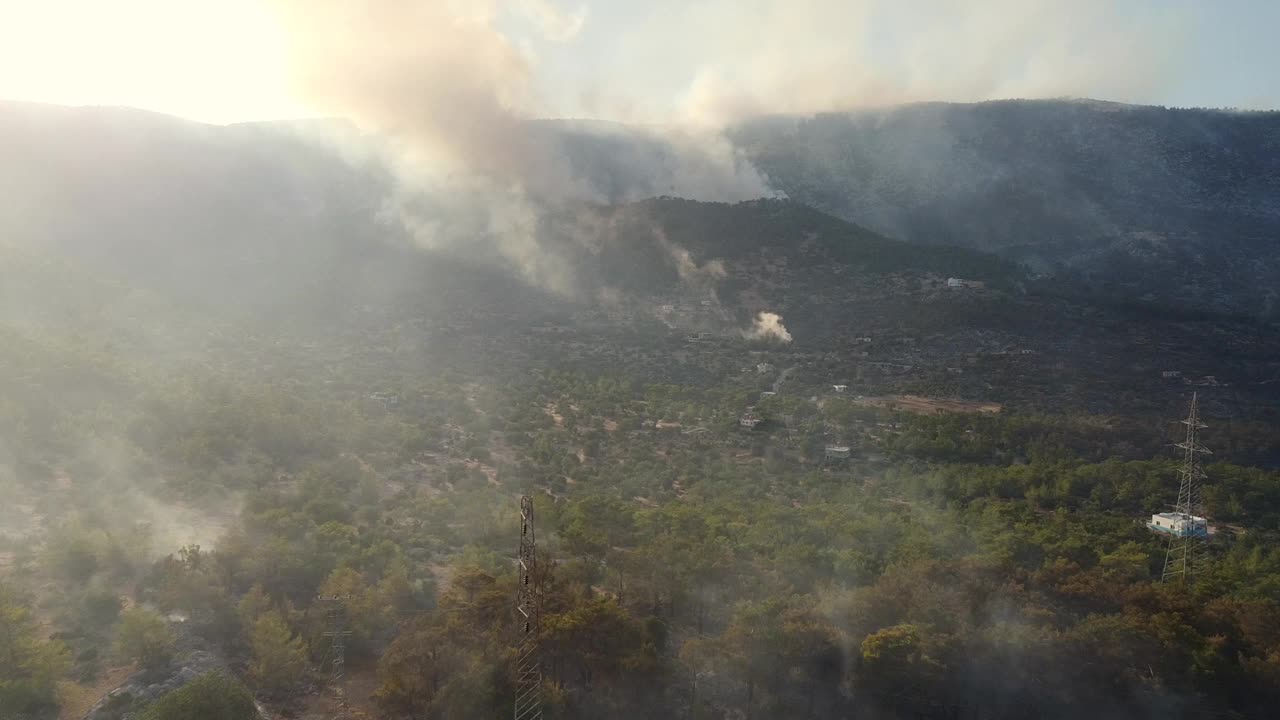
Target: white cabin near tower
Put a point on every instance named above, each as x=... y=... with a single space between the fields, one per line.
x=1180 y=525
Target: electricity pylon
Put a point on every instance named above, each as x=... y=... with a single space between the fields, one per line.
x=337 y=634
x=1186 y=551
x=528 y=702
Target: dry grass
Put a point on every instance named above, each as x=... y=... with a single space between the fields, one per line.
x=77 y=699
x=931 y=406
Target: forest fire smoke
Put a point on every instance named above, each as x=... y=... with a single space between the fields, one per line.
x=768 y=326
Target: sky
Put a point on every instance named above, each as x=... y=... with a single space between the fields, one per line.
x=658 y=61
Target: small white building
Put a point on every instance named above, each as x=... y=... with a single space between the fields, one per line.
x=767 y=394
x=764 y=368
x=1179 y=524
x=839 y=388
x=749 y=421
x=837 y=452
x=1171 y=374
x=864 y=339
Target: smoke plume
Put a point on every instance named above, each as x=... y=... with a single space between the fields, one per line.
x=455 y=97
x=768 y=326
x=691 y=273
x=455 y=88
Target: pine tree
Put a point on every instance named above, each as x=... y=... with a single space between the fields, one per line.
x=279 y=656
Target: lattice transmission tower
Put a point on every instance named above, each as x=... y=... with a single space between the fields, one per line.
x=528 y=702
x=1186 y=551
x=335 y=630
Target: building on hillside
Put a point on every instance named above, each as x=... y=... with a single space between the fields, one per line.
x=386 y=398
x=1179 y=524
x=837 y=452
x=767 y=394
x=749 y=421
x=839 y=388
x=962 y=284
x=764 y=368
x=1171 y=375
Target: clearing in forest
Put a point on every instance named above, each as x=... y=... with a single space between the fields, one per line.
x=931 y=406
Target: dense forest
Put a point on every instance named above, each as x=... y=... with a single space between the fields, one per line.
x=216 y=455
x=958 y=565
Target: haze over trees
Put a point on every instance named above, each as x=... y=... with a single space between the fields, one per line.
x=226 y=390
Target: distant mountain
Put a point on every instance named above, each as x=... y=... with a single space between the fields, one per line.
x=1170 y=207
x=168 y=202
x=130 y=240
x=265 y=218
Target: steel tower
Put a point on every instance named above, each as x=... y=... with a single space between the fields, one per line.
x=1186 y=550
x=335 y=621
x=528 y=702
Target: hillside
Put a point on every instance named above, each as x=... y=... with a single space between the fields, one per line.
x=1169 y=208
x=1172 y=207
x=229 y=388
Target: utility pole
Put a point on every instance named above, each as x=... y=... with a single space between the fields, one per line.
x=528 y=702
x=1185 y=553
x=337 y=634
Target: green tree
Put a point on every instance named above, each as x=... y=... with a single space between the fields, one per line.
x=279 y=656
x=896 y=662
x=414 y=669
x=145 y=637
x=29 y=667
x=212 y=696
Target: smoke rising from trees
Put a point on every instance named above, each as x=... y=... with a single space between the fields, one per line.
x=768 y=326
x=456 y=97
x=455 y=88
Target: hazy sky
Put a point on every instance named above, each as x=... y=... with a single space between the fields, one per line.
x=658 y=60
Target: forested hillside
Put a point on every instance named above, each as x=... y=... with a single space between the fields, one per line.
x=1177 y=206
x=936 y=510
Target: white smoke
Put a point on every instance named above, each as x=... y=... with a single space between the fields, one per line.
x=452 y=86
x=691 y=273
x=456 y=85
x=768 y=326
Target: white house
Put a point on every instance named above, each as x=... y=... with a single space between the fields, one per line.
x=838 y=452
x=1179 y=524
x=840 y=388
